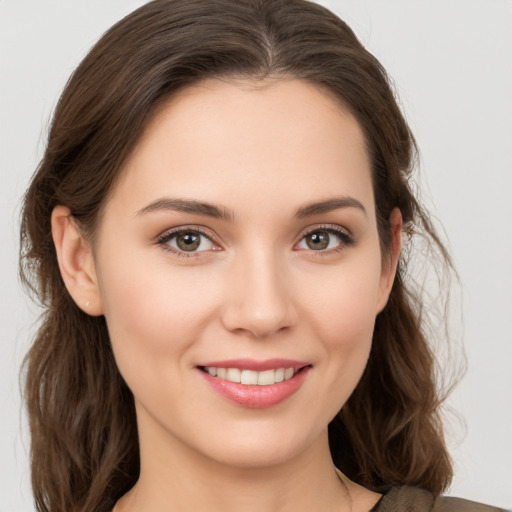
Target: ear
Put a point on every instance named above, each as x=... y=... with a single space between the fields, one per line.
x=76 y=262
x=390 y=261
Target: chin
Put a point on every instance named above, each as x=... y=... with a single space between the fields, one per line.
x=255 y=457
x=260 y=449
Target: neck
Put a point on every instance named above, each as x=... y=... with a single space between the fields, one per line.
x=187 y=481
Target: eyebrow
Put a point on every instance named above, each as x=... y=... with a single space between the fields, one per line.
x=188 y=206
x=328 y=205
x=217 y=212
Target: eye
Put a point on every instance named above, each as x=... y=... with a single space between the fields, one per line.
x=324 y=239
x=187 y=241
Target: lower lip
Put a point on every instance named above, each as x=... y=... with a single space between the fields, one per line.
x=256 y=397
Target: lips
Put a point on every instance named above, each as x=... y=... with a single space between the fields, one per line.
x=251 y=377
x=255 y=384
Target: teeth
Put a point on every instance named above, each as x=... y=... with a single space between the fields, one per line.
x=279 y=377
x=250 y=377
x=233 y=374
x=266 y=378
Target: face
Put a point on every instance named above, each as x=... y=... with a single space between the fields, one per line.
x=240 y=244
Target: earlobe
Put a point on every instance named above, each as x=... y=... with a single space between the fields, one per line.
x=390 y=263
x=76 y=262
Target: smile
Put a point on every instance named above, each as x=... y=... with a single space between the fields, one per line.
x=254 y=384
x=251 y=377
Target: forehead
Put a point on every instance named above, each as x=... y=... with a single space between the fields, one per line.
x=227 y=142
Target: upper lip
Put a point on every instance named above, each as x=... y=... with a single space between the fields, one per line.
x=255 y=365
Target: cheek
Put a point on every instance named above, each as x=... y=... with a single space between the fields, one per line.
x=345 y=306
x=152 y=311
x=342 y=315
x=347 y=333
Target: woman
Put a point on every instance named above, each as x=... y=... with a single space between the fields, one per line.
x=216 y=230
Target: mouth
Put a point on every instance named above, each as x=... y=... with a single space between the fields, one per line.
x=252 y=377
x=255 y=384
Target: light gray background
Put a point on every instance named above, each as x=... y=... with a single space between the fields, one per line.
x=451 y=60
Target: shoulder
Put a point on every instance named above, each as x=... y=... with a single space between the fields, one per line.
x=414 y=499
x=449 y=504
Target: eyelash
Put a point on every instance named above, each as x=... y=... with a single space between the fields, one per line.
x=345 y=237
x=346 y=240
x=166 y=237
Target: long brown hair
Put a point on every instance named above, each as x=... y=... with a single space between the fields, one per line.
x=84 y=448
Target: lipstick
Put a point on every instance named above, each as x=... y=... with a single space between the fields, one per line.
x=255 y=384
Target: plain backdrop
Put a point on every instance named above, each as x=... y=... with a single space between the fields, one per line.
x=451 y=61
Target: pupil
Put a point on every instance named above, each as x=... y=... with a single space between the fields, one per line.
x=188 y=241
x=318 y=240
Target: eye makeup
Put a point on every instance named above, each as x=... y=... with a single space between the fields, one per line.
x=185 y=242
x=319 y=239
x=193 y=241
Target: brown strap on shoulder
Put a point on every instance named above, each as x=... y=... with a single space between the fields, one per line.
x=449 y=504
x=405 y=499
x=414 y=499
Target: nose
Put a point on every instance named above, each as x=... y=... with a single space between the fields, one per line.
x=259 y=299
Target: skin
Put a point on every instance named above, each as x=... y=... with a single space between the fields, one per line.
x=255 y=290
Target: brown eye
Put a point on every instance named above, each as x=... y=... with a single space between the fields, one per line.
x=318 y=240
x=188 y=241
x=325 y=239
